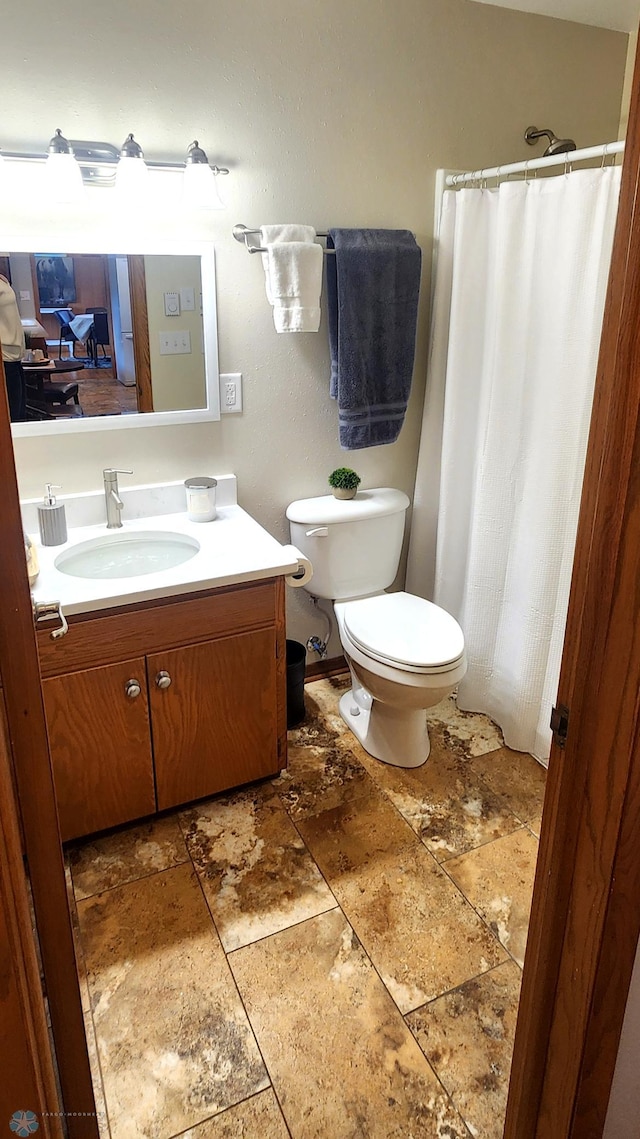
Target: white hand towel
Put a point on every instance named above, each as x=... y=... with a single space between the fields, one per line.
x=269 y=234
x=295 y=275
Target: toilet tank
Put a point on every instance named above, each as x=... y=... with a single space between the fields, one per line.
x=354 y=545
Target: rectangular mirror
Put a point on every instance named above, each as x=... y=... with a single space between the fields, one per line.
x=112 y=338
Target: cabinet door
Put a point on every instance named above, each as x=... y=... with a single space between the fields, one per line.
x=215 y=726
x=100 y=746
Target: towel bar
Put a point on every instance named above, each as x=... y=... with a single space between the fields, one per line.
x=241 y=233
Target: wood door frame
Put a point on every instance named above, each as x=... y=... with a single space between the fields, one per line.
x=140 y=328
x=28 y=740
x=585 y=917
x=24 y=1029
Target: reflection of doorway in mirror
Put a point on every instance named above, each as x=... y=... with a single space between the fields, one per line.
x=122 y=320
x=66 y=313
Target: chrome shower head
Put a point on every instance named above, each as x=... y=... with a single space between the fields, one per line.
x=556 y=145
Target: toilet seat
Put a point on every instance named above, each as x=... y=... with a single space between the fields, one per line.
x=404 y=632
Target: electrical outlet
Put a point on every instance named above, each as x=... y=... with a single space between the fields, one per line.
x=230 y=392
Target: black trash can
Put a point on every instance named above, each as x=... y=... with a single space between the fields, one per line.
x=296 y=660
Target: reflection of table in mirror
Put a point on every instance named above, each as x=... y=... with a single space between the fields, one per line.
x=83 y=328
x=47 y=399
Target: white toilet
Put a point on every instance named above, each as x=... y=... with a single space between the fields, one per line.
x=405 y=654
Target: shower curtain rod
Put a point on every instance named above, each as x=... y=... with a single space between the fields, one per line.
x=602 y=151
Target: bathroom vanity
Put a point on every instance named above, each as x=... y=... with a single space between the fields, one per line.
x=168 y=686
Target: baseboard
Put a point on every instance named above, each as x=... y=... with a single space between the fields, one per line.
x=320 y=669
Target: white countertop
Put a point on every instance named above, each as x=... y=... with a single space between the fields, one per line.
x=234 y=548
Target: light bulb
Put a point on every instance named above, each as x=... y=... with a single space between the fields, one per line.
x=199 y=182
x=200 y=189
x=131 y=172
x=63 y=174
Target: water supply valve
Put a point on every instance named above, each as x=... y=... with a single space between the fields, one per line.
x=315 y=645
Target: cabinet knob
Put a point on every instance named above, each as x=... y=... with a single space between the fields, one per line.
x=132 y=689
x=163 y=680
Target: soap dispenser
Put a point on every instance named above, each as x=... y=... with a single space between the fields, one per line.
x=51 y=519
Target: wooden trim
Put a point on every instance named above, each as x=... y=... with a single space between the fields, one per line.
x=23 y=1027
x=140 y=328
x=105 y=638
x=20 y=676
x=620 y=934
x=320 y=669
x=281 y=669
x=586 y=906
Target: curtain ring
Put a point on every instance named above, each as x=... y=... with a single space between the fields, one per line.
x=604 y=155
x=498 y=169
x=526 y=172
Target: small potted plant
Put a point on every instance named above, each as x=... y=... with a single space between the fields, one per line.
x=344 y=482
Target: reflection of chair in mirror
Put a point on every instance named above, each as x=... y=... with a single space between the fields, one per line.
x=64 y=316
x=50 y=399
x=54 y=399
x=99 y=334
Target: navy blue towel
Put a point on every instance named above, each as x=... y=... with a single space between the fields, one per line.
x=373 y=284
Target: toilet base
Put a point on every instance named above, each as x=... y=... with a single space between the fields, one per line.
x=397 y=736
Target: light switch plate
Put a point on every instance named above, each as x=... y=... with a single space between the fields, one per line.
x=172 y=304
x=230 y=392
x=175 y=343
x=187 y=299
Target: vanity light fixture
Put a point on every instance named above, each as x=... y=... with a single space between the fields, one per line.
x=73 y=164
x=62 y=171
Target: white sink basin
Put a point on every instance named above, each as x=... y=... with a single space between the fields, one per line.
x=127 y=555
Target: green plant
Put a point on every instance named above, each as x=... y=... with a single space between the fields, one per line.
x=344 y=479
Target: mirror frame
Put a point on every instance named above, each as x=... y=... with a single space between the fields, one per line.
x=79 y=241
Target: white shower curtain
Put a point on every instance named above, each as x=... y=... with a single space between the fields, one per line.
x=520 y=289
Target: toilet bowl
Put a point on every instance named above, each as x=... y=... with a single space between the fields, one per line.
x=405 y=654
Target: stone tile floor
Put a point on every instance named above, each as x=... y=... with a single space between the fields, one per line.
x=332 y=954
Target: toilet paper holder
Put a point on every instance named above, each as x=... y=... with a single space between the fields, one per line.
x=304 y=571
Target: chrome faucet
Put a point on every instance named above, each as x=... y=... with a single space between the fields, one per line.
x=114 y=503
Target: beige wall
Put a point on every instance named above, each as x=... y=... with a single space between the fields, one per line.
x=333 y=114
x=177 y=381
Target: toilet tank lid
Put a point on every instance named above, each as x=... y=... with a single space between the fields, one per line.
x=367 y=504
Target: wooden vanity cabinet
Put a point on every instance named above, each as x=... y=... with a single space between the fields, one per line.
x=100 y=741
x=216 y=725
x=153 y=706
